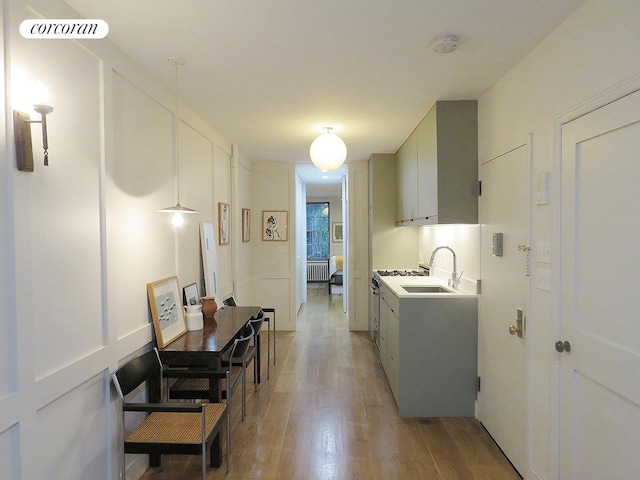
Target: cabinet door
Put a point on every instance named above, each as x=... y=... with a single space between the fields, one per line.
x=427 y=166
x=393 y=353
x=407 y=200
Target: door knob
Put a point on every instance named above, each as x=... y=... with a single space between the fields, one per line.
x=518 y=328
x=563 y=346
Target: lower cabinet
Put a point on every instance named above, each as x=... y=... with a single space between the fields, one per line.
x=428 y=349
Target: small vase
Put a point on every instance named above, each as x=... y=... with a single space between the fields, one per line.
x=209 y=307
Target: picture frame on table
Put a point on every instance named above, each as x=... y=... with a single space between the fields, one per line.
x=246 y=225
x=224 y=221
x=190 y=295
x=336 y=232
x=275 y=225
x=166 y=310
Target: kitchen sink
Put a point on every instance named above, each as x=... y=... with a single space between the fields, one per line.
x=426 y=289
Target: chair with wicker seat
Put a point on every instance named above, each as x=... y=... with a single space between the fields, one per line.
x=199 y=382
x=169 y=428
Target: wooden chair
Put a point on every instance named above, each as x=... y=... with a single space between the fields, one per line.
x=169 y=428
x=198 y=382
x=231 y=302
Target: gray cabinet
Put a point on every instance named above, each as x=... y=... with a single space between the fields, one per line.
x=428 y=350
x=438 y=167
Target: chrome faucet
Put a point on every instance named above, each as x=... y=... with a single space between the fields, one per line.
x=454 y=281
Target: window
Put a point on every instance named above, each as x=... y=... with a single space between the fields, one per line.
x=318 y=230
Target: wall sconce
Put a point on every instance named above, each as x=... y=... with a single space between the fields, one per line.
x=22 y=131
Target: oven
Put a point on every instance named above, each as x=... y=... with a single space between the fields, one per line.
x=375 y=293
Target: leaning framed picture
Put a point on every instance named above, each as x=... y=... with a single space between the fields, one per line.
x=224 y=212
x=190 y=295
x=336 y=232
x=166 y=310
x=246 y=225
x=275 y=224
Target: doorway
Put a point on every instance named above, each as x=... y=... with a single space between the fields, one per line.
x=323 y=228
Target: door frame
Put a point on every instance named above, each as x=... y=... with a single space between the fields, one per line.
x=526 y=142
x=616 y=92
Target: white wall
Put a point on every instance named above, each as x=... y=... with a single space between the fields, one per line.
x=82 y=237
x=592 y=51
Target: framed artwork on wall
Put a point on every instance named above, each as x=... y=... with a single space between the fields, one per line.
x=275 y=224
x=224 y=221
x=336 y=232
x=166 y=310
x=246 y=225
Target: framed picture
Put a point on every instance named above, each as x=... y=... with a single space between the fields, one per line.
x=336 y=232
x=224 y=212
x=246 y=225
x=166 y=310
x=190 y=295
x=275 y=224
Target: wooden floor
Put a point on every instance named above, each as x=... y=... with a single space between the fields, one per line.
x=327 y=412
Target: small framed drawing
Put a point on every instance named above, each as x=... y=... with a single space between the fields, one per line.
x=190 y=295
x=274 y=225
x=336 y=232
x=224 y=212
x=166 y=310
x=246 y=225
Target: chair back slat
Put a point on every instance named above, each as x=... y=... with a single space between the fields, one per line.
x=241 y=344
x=256 y=322
x=229 y=302
x=137 y=371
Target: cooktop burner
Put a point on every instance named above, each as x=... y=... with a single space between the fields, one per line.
x=402 y=273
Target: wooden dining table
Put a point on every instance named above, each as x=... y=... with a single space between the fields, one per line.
x=205 y=347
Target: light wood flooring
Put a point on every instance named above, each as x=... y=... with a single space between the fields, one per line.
x=327 y=412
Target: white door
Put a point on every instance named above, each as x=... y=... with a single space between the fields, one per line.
x=599 y=301
x=504 y=209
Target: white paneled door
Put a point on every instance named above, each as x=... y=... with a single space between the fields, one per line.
x=502 y=339
x=599 y=302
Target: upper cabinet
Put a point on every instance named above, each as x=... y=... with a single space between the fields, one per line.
x=438 y=167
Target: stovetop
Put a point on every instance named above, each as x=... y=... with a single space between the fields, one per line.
x=402 y=273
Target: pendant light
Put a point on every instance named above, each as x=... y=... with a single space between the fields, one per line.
x=177 y=209
x=328 y=151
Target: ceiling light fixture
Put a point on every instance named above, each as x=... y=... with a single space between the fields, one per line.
x=446 y=44
x=177 y=209
x=328 y=151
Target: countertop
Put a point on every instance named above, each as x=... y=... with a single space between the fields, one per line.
x=395 y=284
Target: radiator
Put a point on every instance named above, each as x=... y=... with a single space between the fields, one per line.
x=317 y=271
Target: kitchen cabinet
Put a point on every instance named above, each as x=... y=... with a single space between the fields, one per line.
x=389 y=341
x=438 y=167
x=428 y=349
x=407 y=179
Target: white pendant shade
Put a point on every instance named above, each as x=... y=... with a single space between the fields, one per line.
x=328 y=151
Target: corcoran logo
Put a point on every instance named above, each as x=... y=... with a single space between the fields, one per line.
x=64 y=28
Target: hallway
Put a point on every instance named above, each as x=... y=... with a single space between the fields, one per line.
x=328 y=413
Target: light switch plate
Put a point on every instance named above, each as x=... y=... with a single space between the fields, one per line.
x=543 y=279
x=543 y=252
